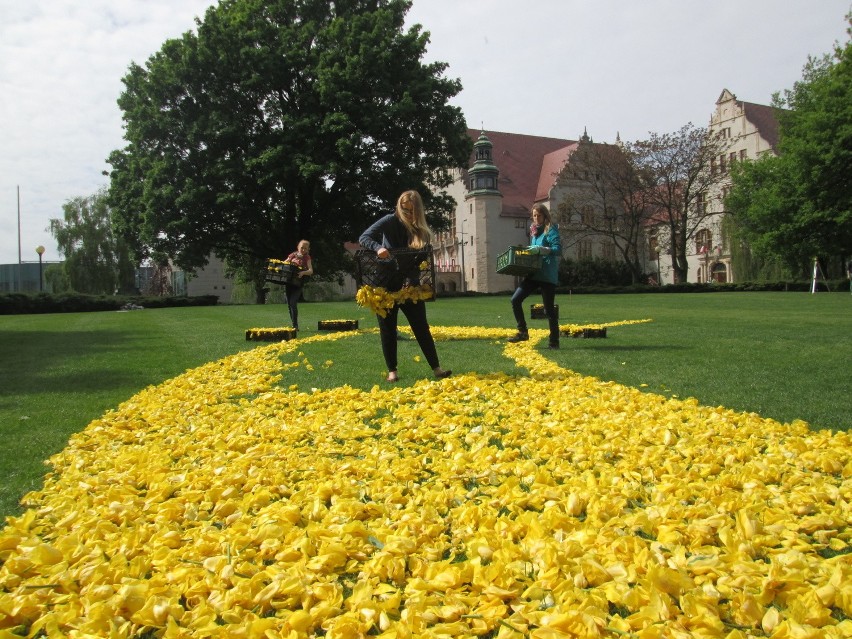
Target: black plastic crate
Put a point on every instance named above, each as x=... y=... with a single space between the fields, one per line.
x=281 y=272
x=404 y=267
x=537 y=311
x=516 y=261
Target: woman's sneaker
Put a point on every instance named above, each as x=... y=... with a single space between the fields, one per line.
x=520 y=336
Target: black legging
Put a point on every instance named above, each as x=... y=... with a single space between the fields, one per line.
x=294 y=294
x=548 y=296
x=416 y=314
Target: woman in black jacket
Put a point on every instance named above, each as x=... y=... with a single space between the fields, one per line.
x=405 y=228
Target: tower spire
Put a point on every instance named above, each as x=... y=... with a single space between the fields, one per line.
x=482 y=176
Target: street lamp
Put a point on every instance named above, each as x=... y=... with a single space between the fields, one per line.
x=40 y=251
x=463 y=275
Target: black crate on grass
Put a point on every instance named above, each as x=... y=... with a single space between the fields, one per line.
x=537 y=311
x=404 y=267
x=337 y=325
x=516 y=261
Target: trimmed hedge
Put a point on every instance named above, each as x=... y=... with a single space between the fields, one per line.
x=836 y=286
x=713 y=287
x=25 y=303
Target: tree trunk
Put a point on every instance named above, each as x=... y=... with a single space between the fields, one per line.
x=260 y=292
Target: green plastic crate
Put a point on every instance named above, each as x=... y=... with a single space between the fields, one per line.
x=514 y=262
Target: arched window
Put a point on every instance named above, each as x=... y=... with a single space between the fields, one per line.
x=719 y=272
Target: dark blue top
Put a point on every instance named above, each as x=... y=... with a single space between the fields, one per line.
x=387 y=231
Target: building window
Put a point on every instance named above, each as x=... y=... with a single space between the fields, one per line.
x=584 y=250
x=722 y=168
x=743 y=154
x=608 y=251
x=701 y=203
x=703 y=241
x=587 y=215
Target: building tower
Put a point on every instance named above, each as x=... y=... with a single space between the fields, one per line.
x=483 y=205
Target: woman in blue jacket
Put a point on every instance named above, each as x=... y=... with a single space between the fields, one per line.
x=544 y=241
x=405 y=228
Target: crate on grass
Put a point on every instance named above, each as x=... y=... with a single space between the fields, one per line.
x=270 y=334
x=517 y=261
x=404 y=267
x=337 y=325
x=537 y=311
x=585 y=332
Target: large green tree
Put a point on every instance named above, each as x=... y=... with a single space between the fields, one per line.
x=97 y=261
x=798 y=205
x=279 y=120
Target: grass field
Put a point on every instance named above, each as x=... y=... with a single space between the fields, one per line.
x=782 y=355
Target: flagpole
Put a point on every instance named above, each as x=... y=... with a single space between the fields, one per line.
x=19 y=239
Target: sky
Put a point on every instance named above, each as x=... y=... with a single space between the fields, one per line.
x=553 y=68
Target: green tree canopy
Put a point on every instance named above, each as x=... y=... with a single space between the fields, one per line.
x=798 y=205
x=280 y=120
x=96 y=260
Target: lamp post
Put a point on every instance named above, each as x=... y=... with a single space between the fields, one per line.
x=40 y=251
x=463 y=274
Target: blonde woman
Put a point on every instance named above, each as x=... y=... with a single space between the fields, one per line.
x=301 y=258
x=405 y=228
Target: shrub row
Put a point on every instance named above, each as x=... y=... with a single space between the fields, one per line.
x=711 y=287
x=21 y=303
x=687 y=287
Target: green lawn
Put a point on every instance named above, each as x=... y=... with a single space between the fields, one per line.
x=782 y=355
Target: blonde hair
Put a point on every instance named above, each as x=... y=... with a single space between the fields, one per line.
x=419 y=233
x=542 y=209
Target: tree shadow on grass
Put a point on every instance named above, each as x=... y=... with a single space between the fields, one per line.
x=33 y=362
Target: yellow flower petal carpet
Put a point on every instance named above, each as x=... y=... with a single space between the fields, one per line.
x=223 y=503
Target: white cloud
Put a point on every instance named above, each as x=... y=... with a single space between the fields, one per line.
x=545 y=67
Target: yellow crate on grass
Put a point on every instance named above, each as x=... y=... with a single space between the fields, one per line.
x=517 y=261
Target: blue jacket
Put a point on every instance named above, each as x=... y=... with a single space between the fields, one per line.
x=549 y=271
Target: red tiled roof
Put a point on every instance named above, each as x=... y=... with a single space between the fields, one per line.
x=525 y=162
x=551 y=165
